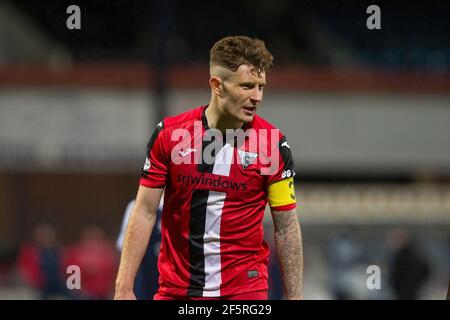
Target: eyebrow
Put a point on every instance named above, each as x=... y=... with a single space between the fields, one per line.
x=252 y=83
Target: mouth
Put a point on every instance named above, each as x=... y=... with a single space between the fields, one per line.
x=249 y=109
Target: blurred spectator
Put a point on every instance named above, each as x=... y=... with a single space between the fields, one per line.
x=275 y=280
x=8 y=258
x=40 y=263
x=97 y=260
x=409 y=268
x=146 y=282
x=344 y=257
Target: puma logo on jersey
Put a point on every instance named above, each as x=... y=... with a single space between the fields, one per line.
x=147 y=164
x=188 y=150
x=285 y=144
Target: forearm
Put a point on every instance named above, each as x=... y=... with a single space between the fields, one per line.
x=289 y=247
x=135 y=244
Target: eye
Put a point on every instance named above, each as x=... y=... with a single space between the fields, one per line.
x=248 y=85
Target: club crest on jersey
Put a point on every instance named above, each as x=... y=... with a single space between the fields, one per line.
x=247 y=158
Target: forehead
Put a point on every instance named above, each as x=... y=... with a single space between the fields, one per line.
x=245 y=73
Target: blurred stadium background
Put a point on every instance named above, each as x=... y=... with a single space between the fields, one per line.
x=367 y=113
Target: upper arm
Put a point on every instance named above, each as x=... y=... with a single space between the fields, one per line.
x=147 y=200
x=281 y=195
x=281 y=191
x=154 y=172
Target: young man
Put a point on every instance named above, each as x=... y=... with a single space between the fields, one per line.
x=219 y=165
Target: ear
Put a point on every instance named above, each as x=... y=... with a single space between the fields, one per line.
x=216 y=85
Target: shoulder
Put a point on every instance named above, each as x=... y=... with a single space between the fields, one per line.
x=169 y=124
x=259 y=123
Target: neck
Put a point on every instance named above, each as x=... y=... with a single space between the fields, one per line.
x=219 y=120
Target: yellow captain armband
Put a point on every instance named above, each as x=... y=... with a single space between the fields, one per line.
x=281 y=193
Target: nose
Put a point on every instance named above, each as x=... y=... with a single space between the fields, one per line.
x=256 y=95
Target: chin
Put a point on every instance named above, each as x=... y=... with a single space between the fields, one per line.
x=246 y=118
x=249 y=118
x=242 y=117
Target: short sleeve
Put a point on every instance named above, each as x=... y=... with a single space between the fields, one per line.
x=285 y=168
x=281 y=193
x=154 y=172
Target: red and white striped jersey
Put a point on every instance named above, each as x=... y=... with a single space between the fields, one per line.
x=214 y=201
